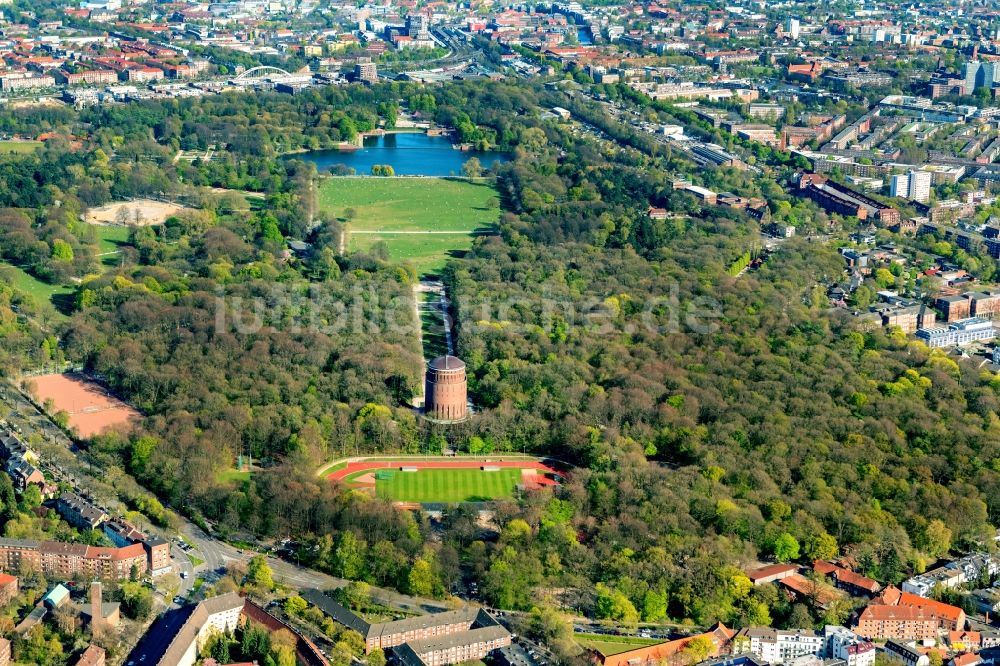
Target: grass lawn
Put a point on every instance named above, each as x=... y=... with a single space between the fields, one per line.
x=20 y=147
x=420 y=205
x=111 y=238
x=41 y=292
x=233 y=476
x=195 y=561
x=611 y=645
x=449 y=485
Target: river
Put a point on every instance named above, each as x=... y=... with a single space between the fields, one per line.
x=409 y=153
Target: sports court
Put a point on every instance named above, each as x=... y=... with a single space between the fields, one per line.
x=90 y=407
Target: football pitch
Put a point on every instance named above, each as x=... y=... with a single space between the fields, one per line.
x=448 y=485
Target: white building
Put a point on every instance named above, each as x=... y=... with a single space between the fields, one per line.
x=957 y=572
x=776 y=646
x=915 y=185
x=842 y=643
x=792 y=27
x=792 y=647
x=960 y=332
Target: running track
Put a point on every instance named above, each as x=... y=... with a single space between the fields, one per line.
x=355 y=467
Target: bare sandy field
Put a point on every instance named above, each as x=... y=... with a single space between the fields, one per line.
x=91 y=409
x=138 y=213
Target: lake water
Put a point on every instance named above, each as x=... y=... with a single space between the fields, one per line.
x=409 y=153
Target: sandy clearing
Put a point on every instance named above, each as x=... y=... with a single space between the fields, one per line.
x=138 y=213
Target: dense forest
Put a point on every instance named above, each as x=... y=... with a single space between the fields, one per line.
x=713 y=421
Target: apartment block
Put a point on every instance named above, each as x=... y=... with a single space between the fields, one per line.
x=67 y=560
x=905 y=623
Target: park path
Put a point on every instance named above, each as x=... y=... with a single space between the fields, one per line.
x=467 y=232
x=440 y=307
x=418 y=401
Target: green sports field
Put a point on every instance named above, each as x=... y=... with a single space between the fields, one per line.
x=448 y=485
x=20 y=147
x=421 y=220
x=612 y=645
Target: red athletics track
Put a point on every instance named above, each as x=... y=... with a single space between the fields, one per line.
x=355 y=467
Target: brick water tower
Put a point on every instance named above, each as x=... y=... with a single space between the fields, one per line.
x=445 y=390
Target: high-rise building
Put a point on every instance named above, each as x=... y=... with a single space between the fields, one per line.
x=365 y=71
x=417 y=27
x=899 y=185
x=920 y=186
x=792 y=27
x=915 y=185
x=978 y=74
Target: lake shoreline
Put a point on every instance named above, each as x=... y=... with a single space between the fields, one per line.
x=410 y=154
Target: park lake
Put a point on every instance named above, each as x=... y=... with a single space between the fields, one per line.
x=409 y=154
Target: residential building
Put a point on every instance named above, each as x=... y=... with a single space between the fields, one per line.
x=4 y=652
x=965 y=640
x=63 y=561
x=24 y=474
x=905 y=654
x=8 y=588
x=905 y=623
x=24 y=81
x=92 y=656
x=472 y=645
x=949 y=618
x=90 y=77
x=792 y=27
x=844 y=644
x=366 y=71
x=977 y=565
x=915 y=185
x=143 y=74
x=80 y=513
x=123 y=533
x=966 y=659
x=777 y=646
x=976 y=74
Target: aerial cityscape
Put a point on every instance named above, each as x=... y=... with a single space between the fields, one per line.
x=421 y=333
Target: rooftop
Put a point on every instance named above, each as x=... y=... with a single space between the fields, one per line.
x=447 y=363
